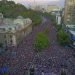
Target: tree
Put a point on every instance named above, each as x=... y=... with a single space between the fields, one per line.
x=46 y=31
x=63 y=37
x=10 y=7
x=41 y=41
x=58 y=27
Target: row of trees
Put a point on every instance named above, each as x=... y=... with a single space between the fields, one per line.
x=63 y=37
x=41 y=41
x=12 y=10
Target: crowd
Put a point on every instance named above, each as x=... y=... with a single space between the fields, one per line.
x=52 y=59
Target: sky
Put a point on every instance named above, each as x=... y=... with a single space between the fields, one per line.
x=54 y=2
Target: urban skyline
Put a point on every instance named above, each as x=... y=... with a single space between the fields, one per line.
x=51 y=2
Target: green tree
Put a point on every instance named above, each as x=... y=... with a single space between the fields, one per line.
x=41 y=41
x=11 y=10
x=46 y=31
x=58 y=27
x=63 y=37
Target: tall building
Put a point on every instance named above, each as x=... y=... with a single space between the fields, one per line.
x=69 y=19
x=69 y=12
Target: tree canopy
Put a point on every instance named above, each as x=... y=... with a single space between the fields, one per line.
x=11 y=10
x=63 y=37
x=41 y=41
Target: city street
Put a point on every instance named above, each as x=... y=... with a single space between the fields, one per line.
x=51 y=60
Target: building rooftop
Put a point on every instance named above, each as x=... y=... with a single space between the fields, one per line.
x=17 y=23
x=9 y=22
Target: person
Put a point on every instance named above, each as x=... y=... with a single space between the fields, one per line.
x=3 y=70
x=42 y=72
x=63 y=72
x=32 y=71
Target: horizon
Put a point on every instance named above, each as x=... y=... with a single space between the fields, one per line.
x=47 y=2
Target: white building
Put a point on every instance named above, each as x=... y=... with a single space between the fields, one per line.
x=12 y=31
x=51 y=8
x=57 y=13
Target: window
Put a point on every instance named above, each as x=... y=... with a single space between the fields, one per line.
x=4 y=36
x=11 y=41
x=10 y=36
x=3 y=29
x=10 y=28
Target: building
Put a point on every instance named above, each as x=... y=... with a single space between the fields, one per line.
x=58 y=14
x=38 y=7
x=69 y=12
x=44 y=7
x=12 y=31
x=51 y=8
x=58 y=18
x=69 y=18
x=71 y=31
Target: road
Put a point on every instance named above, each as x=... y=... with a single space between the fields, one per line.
x=50 y=60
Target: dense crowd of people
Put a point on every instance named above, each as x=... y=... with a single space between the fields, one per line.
x=51 y=60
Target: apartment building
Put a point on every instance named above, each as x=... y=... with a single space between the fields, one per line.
x=69 y=18
x=13 y=31
x=69 y=12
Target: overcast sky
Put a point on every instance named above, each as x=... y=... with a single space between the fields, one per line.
x=57 y=2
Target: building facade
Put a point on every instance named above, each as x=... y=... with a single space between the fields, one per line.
x=51 y=8
x=69 y=12
x=13 y=31
x=45 y=8
x=58 y=14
